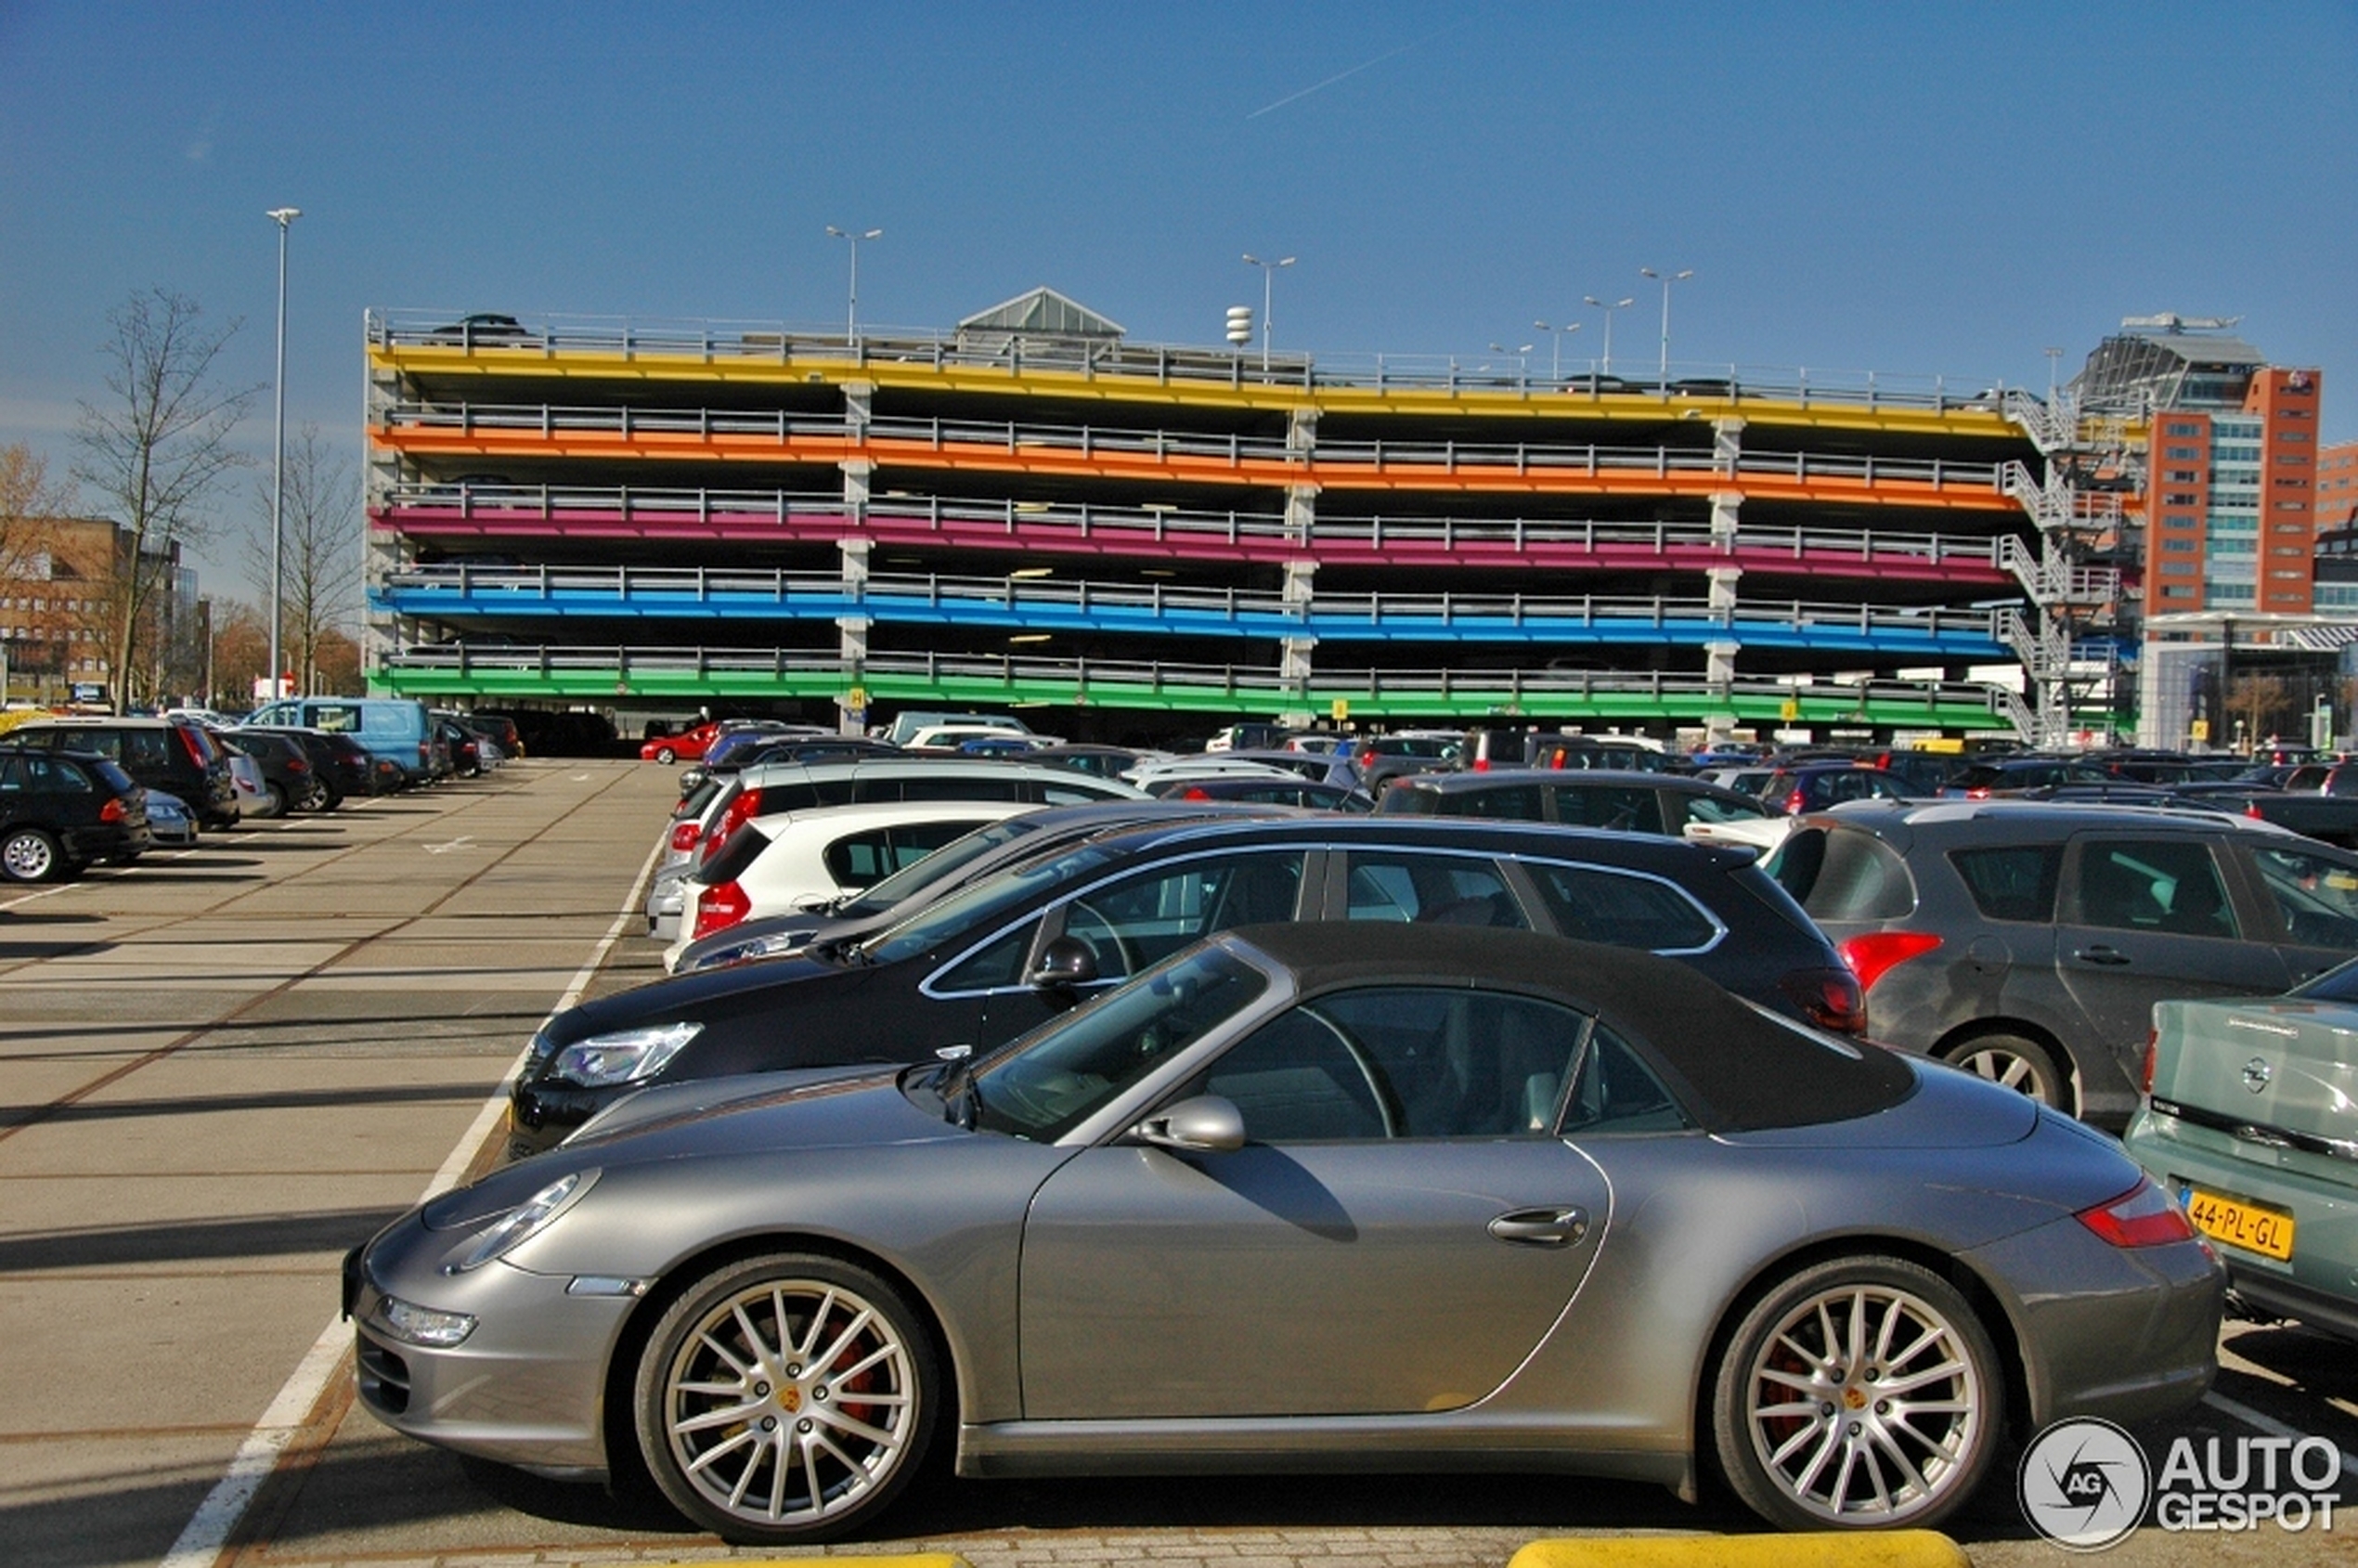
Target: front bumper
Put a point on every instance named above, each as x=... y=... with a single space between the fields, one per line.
x=526 y=1386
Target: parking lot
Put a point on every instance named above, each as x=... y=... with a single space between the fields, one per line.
x=227 y=1065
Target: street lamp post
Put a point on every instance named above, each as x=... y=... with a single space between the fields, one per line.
x=1666 y=278
x=1608 y=309
x=1556 y=360
x=1268 y=274
x=851 y=319
x=283 y=217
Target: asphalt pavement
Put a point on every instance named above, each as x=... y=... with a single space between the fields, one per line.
x=221 y=1067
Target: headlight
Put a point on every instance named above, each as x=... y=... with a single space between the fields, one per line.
x=525 y=1221
x=423 y=1326
x=624 y=1056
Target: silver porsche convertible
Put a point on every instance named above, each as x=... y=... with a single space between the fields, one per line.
x=1306 y=1197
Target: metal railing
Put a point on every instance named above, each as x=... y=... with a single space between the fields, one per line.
x=1262 y=685
x=1013 y=437
x=956 y=518
x=486 y=589
x=721 y=342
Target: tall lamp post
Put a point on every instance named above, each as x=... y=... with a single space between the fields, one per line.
x=1608 y=309
x=283 y=217
x=1666 y=278
x=1556 y=358
x=851 y=321
x=1268 y=273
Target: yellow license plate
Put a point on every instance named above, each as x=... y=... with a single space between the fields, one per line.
x=2252 y=1226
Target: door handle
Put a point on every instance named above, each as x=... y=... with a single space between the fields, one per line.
x=1541 y=1227
x=2101 y=954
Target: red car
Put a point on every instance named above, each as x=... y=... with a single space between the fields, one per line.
x=689 y=744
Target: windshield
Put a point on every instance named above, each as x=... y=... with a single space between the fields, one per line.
x=986 y=900
x=938 y=866
x=1061 y=1074
x=2339 y=984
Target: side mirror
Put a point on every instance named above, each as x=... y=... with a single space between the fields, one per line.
x=1064 y=962
x=1205 y=1124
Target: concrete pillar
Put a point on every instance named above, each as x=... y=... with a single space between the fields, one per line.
x=1726 y=442
x=1301 y=515
x=1725 y=507
x=852 y=630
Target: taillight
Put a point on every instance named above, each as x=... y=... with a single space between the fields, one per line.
x=1795 y=804
x=2153 y=1049
x=2253 y=811
x=2142 y=1216
x=1833 y=999
x=683 y=837
x=1366 y=756
x=189 y=741
x=1871 y=954
x=113 y=810
x=297 y=765
x=743 y=807
x=718 y=908
x=1198 y=793
x=1979 y=793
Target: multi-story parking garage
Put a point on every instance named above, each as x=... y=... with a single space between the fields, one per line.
x=1034 y=511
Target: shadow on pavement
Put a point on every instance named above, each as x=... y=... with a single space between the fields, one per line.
x=248 y=1236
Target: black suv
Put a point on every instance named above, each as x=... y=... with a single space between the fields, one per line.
x=177 y=759
x=1002 y=954
x=61 y=810
x=2029 y=941
x=1627 y=802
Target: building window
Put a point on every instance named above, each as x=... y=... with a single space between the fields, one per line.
x=2175 y=545
x=2173 y=590
x=2187 y=454
x=2182 y=428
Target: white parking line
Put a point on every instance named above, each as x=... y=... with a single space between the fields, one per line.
x=209 y=1529
x=2273 y=1427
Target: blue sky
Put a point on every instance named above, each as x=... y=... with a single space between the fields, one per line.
x=1914 y=188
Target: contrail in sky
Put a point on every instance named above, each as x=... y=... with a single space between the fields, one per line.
x=1321 y=87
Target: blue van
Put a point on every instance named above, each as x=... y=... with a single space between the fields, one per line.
x=396 y=728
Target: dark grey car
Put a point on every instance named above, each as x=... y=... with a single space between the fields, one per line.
x=1314 y=1198
x=2029 y=941
x=1624 y=801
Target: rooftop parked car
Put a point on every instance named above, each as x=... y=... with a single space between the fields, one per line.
x=2251 y=1122
x=990 y=961
x=1814 y=786
x=1304 y=1199
x=62 y=811
x=2029 y=941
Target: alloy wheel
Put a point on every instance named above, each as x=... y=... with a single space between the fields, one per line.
x=788 y=1404
x=29 y=855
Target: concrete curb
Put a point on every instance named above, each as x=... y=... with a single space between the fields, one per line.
x=913 y=1560
x=1866 y=1549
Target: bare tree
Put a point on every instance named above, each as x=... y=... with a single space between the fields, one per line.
x=319 y=550
x=155 y=451
x=29 y=506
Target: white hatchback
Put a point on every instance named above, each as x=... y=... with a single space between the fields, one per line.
x=800 y=860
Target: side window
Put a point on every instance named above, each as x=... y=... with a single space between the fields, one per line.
x=2314 y=895
x=1402 y=1062
x=1859 y=878
x=335 y=718
x=2168 y=885
x=1516 y=803
x=55 y=775
x=106 y=742
x=995 y=966
x=1145 y=918
x=2017 y=882
x=961 y=789
x=1617 y=1093
x=1712 y=808
x=1437 y=889
x=1622 y=807
x=1053 y=794
x=145 y=748
x=1597 y=905
x=860 y=859
x=12 y=775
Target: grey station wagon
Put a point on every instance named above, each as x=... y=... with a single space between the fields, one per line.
x=2029 y=941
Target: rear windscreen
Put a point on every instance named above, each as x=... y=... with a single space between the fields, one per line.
x=1840 y=874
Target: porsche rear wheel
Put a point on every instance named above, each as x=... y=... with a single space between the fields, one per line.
x=1861 y=1394
x=786 y=1398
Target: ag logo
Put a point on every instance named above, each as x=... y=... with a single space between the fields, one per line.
x=2084 y=1484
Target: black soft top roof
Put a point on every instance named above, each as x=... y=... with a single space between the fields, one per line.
x=1736 y=1069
